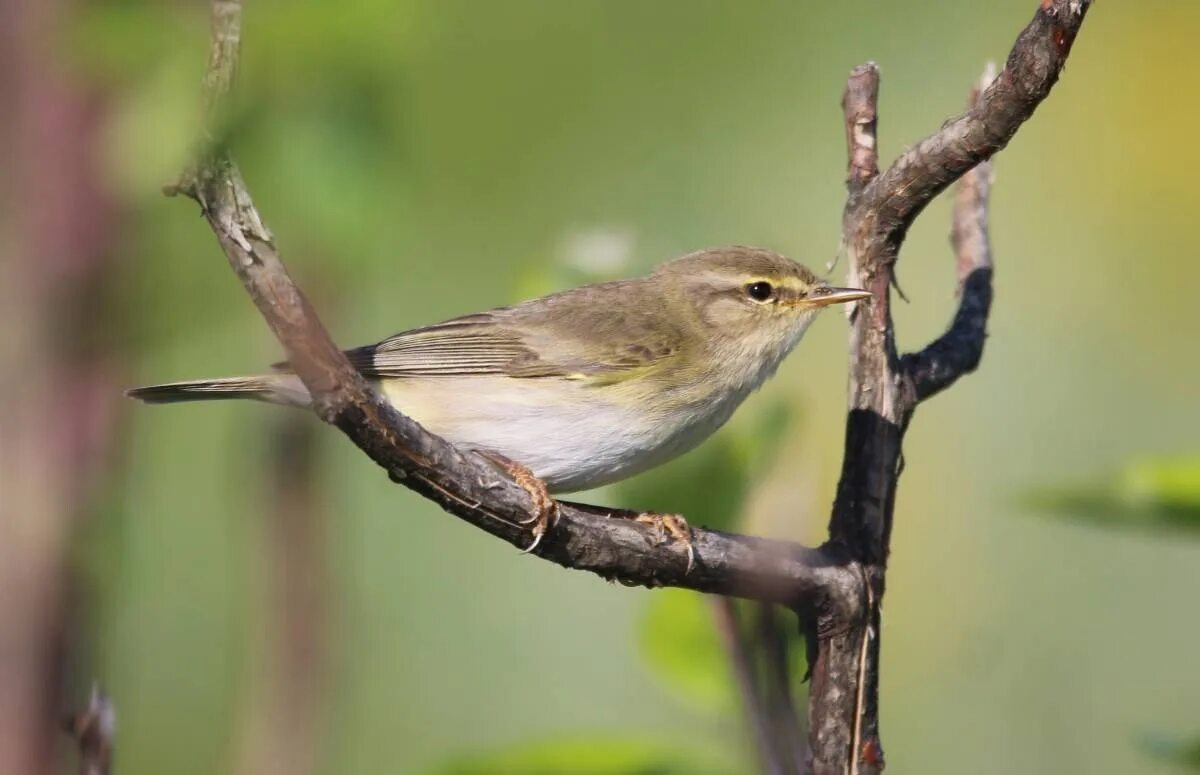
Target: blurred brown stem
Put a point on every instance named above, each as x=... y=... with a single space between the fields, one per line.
x=58 y=380
x=284 y=722
x=739 y=646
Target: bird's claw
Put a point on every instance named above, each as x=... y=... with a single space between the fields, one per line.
x=545 y=508
x=673 y=526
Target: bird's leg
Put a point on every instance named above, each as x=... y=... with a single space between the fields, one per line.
x=674 y=526
x=545 y=508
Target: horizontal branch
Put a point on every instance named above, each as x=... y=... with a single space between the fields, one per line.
x=584 y=537
x=1037 y=59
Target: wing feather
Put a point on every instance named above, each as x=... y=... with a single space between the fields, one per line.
x=549 y=337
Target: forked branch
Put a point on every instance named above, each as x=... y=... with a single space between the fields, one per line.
x=885 y=389
x=959 y=350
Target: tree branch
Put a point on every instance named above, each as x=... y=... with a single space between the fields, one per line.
x=1037 y=59
x=959 y=350
x=585 y=538
x=884 y=390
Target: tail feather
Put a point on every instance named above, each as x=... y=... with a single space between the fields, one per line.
x=274 y=388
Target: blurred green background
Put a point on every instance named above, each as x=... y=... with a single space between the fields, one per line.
x=418 y=160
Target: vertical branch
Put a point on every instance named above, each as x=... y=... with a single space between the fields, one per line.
x=845 y=667
x=859 y=109
x=884 y=389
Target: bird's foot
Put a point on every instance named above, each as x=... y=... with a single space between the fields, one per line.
x=545 y=508
x=673 y=526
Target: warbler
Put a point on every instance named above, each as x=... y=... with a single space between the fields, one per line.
x=586 y=386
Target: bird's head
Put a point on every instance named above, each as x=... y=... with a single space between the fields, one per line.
x=750 y=303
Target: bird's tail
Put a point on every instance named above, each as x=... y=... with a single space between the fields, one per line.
x=272 y=388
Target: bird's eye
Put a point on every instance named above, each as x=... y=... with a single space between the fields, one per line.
x=760 y=291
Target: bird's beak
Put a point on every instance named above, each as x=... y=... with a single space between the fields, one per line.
x=823 y=297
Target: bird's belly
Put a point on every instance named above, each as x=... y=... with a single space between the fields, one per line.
x=571 y=436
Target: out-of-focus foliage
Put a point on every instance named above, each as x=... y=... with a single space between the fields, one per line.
x=679 y=642
x=710 y=485
x=1184 y=754
x=1189 y=755
x=1157 y=494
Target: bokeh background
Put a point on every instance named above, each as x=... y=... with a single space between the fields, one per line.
x=418 y=160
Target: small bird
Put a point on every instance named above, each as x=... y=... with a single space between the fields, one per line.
x=586 y=386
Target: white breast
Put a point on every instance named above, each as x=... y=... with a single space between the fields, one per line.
x=570 y=435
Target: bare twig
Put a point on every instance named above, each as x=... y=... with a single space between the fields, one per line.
x=958 y=351
x=884 y=391
x=774 y=643
x=94 y=729
x=862 y=124
x=860 y=690
x=929 y=167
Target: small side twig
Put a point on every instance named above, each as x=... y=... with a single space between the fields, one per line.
x=773 y=642
x=94 y=730
x=959 y=350
x=925 y=170
x=859 y=107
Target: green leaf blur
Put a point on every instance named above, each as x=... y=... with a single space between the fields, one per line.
x=1160 y=494
x=678 y=640
x=710 y=485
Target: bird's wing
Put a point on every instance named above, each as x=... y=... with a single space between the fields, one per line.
x=552 y=337
x=470 y=345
